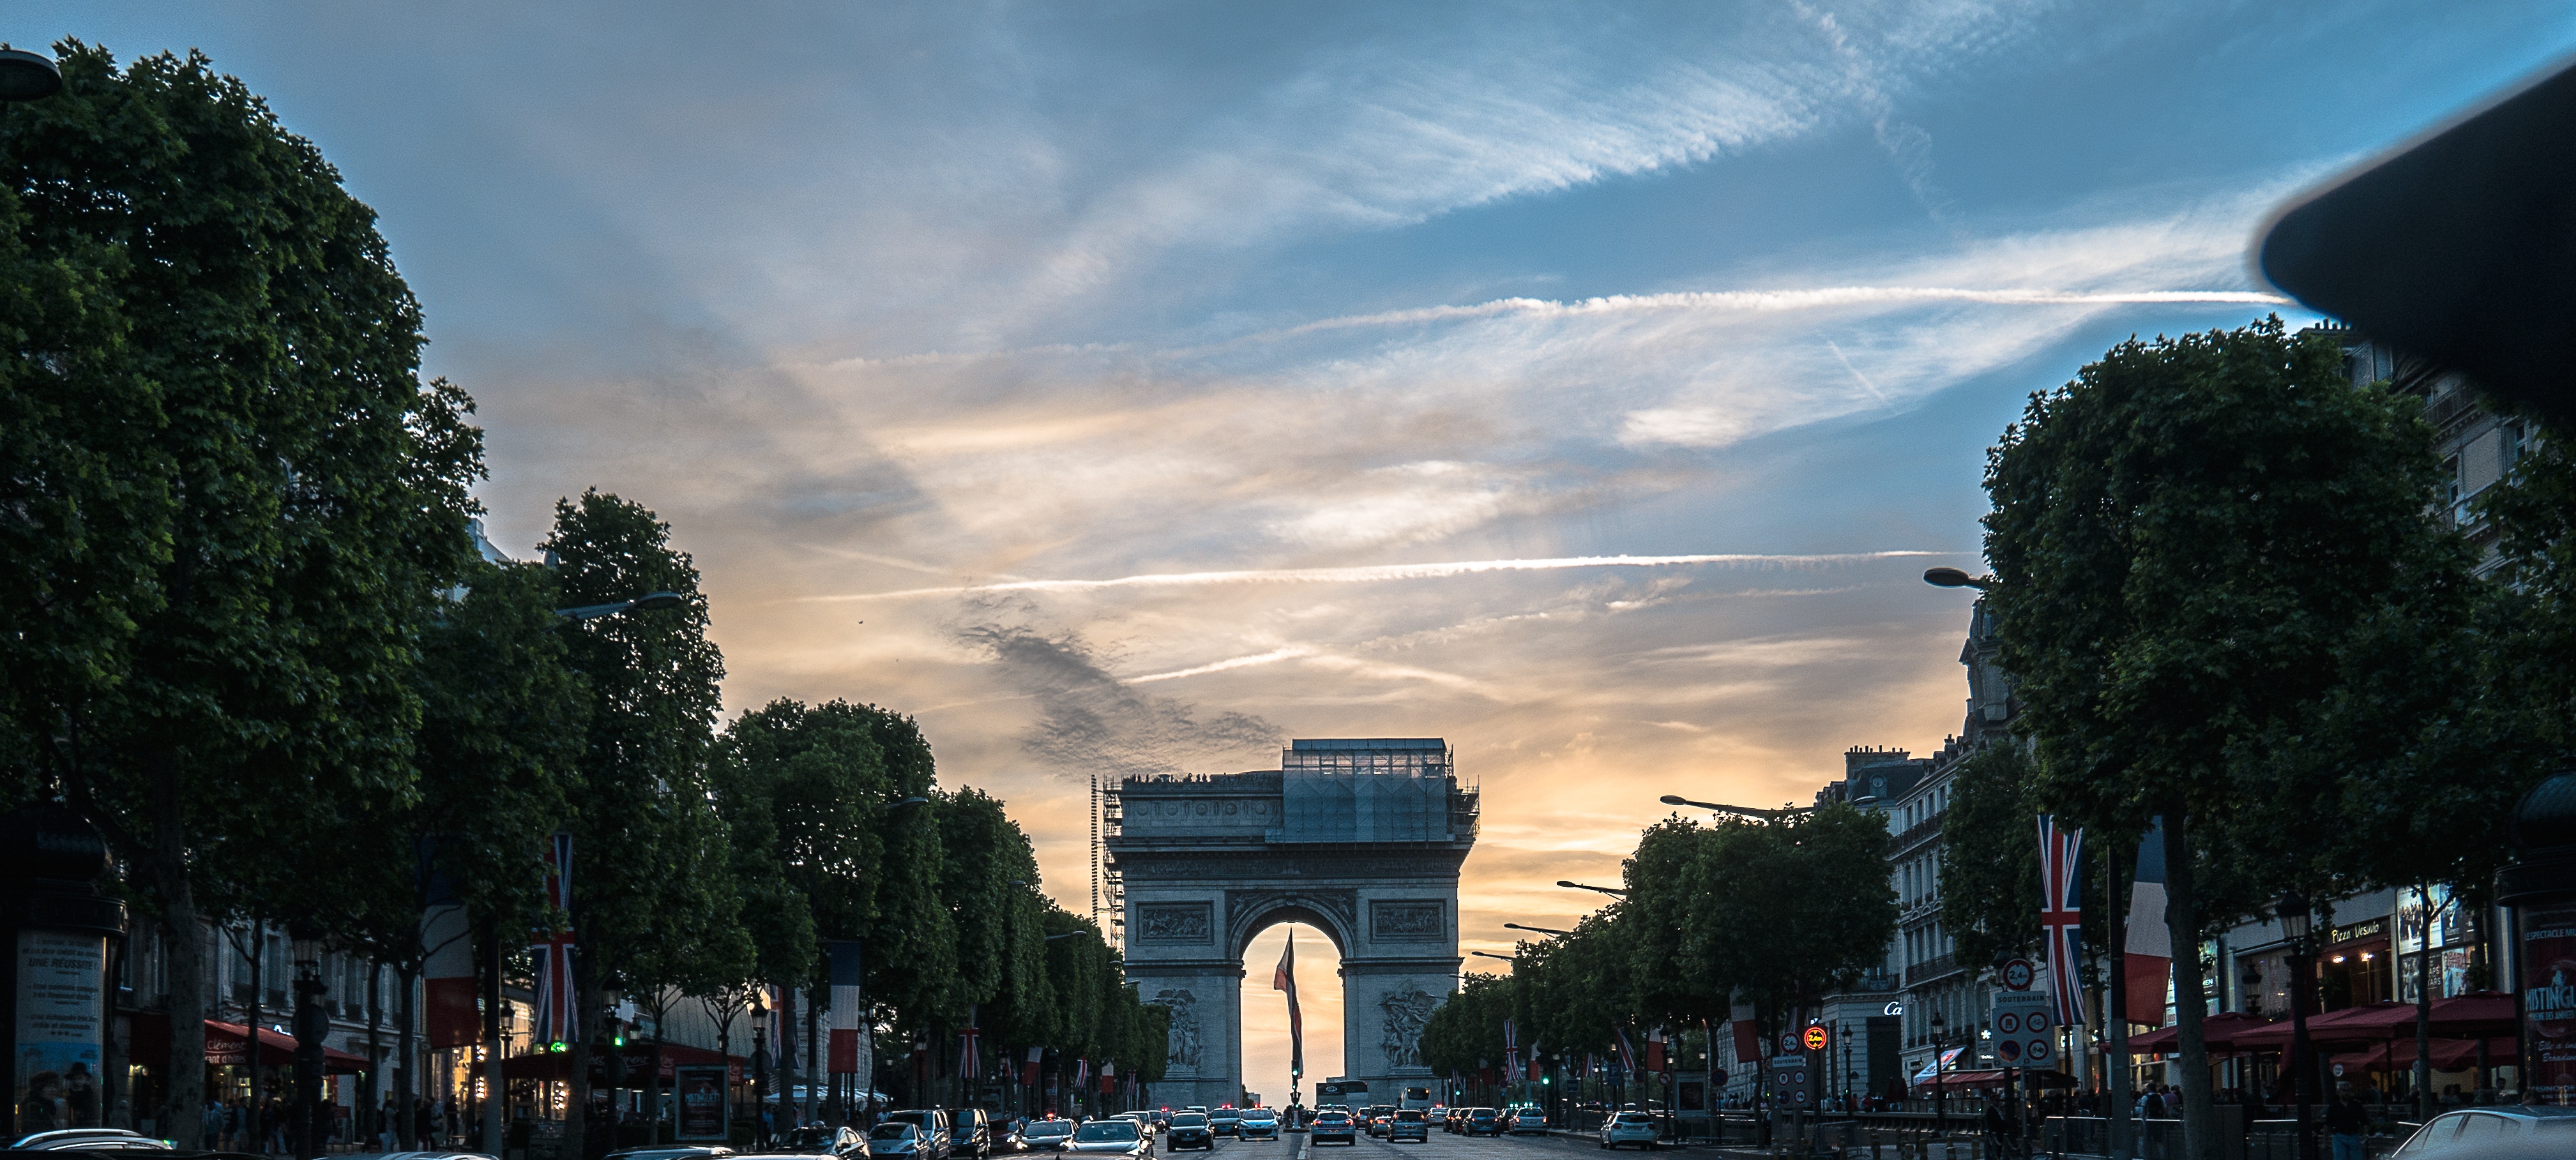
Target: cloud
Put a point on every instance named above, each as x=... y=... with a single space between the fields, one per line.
x=1377 y=573
x=1090 y=722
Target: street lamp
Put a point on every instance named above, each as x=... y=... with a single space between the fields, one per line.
x=1954 y=578
x=2296 y=921
x=1940 y=1090
x=1596 y=889
x=1672 y=799
x=1534 y=929
x=760 y=1065
x=1505 y=958
x=649 y=602
x=28 y=76
x=304 y=939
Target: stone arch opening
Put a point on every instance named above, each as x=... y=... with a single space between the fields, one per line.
x=1263 y=1011
x=1290 y=909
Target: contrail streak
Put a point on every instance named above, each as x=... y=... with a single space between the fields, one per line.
x=1766 y=301
x=1378 y=572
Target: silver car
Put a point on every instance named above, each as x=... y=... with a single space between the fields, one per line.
x=1112 y=1136
x=2504 y=1132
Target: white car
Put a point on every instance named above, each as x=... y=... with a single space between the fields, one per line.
x=1636 y=1128
x=2504 y=1132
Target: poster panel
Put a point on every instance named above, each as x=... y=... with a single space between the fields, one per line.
x=60 y=1026
x=2549 y=1002
x=702 y=1101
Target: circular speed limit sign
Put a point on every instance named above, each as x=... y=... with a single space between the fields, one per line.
x=2017 y=975
x=2007 y=1023
x=2039 y=1051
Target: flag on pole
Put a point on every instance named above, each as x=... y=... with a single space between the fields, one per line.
x=1655 y=1051
x=447 y=947
x=2061 y=915
x=1511 y=1047
x=552 y=948
x=1627 y=1053
x=1286 y=980
x=970 y=1063
x=1029 y=1068
x=1081 y=1072
x=847 y=1007
x=2149 y=943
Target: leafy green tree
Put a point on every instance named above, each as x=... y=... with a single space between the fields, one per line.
x=1672 y=980
x=227 y=587
x=1990 y=888
x=2183 y=538
x=1465 y=1035
x=655 y=899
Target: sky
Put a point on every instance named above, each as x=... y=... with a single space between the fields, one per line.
x=1130 y=388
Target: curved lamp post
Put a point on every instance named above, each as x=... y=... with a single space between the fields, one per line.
x=2296 y=922
x=1534 y=929
x=1672 y=799
x=1954 y=578
x=28 y=76
x=649 y=602
x=1596 y=889
x=304 y=940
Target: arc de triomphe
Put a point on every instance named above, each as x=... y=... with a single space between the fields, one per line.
x=1361 y=839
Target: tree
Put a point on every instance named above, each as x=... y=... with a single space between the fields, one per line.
x=502 y=726
x=1465 y=1035
x=229 y=585
x=2181 y=539
x=1990 y=887
x=655 y=901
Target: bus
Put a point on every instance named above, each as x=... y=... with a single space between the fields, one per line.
x=1416 y=1099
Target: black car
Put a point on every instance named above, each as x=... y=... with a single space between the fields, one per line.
x=1189 y=1130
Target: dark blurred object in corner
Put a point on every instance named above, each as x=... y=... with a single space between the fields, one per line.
x=2460 y=249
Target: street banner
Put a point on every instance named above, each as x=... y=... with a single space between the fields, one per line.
x=1511 y=1047
x=970 y=1056
x=782 y=1026
x=2061 y=915
x=1626 y=1051
x=447 y=948
x=550 y=947
x=1655 y=1050
x=2149 y=945
x=1029 y=1067
x=1748 y=1046
x=2548 y=965
x=1286 y=980
x=847 y=1007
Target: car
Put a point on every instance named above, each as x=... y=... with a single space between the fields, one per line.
x=664 y=1153
x=2503 y=1132
x=1190 y=1130
x=1046 y=1135
x=1409 y=1124
x=1636 y=1128
x=1223 y=1121
x=903 y=1138
x=1481 y=1122
x=1257 y=1124
x=1375 y=1118
x=1450 y=1123
x=1335 y=1125
x=823 y=1140
x=1527 y=1120
x=1116 y=1135
x=970 y=1133
x=90 y=1140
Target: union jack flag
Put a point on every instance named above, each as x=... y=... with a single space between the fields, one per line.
x=1511 y=1047
x=970 y=1059
x=2061 y=915
x=552 y=947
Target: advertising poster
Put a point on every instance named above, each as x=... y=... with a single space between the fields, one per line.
x=55 y=1079
x=702 y=1101
x=2549 y=1002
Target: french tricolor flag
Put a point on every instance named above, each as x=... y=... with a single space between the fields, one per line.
x=847 y=1007
x=2147 y=972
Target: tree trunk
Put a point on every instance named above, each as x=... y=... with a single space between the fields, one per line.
x=812 y=1109
x=182 y=1111
x=2424 y=1008
x=585 y=1032
x=2182 y=920
x=406 y=1113
x=2116 y=1012
x=370 y=1102
x=653 y=1092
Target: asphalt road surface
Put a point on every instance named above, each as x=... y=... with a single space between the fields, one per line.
x=1441 y=1146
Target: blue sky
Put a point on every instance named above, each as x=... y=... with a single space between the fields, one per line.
x=930 y=299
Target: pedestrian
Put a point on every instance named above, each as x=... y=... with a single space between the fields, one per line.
x=210 y=1125
x=2345 y=1123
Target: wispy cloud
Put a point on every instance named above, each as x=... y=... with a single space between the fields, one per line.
x=1375 y=573
x=1765 y=301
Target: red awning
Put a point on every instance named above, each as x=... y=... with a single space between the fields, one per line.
x=1960 y=1079
x=224 y=1044
x=2471 y=1016
x=2221 y=1032
x=2448 y=1054
x=552 y=1065
x=2354 y=1028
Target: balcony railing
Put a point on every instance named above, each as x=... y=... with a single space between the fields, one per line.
x=1932 y=968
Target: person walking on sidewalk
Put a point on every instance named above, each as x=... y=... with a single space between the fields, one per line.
x=2345 y=1124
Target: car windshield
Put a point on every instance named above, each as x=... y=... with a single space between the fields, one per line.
x=1189 y=1120
x=1048 y=1128
x=1409 y=1117
x=1103 y=1131
x=892 y=1132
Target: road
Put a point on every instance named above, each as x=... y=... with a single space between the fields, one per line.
x=1441 y=1146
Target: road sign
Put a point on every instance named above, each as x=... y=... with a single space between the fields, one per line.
x=1789 y=1083
x=2018 y=974
x=2024 y=1029
x=1817 y=1038
x=1791 y=1044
